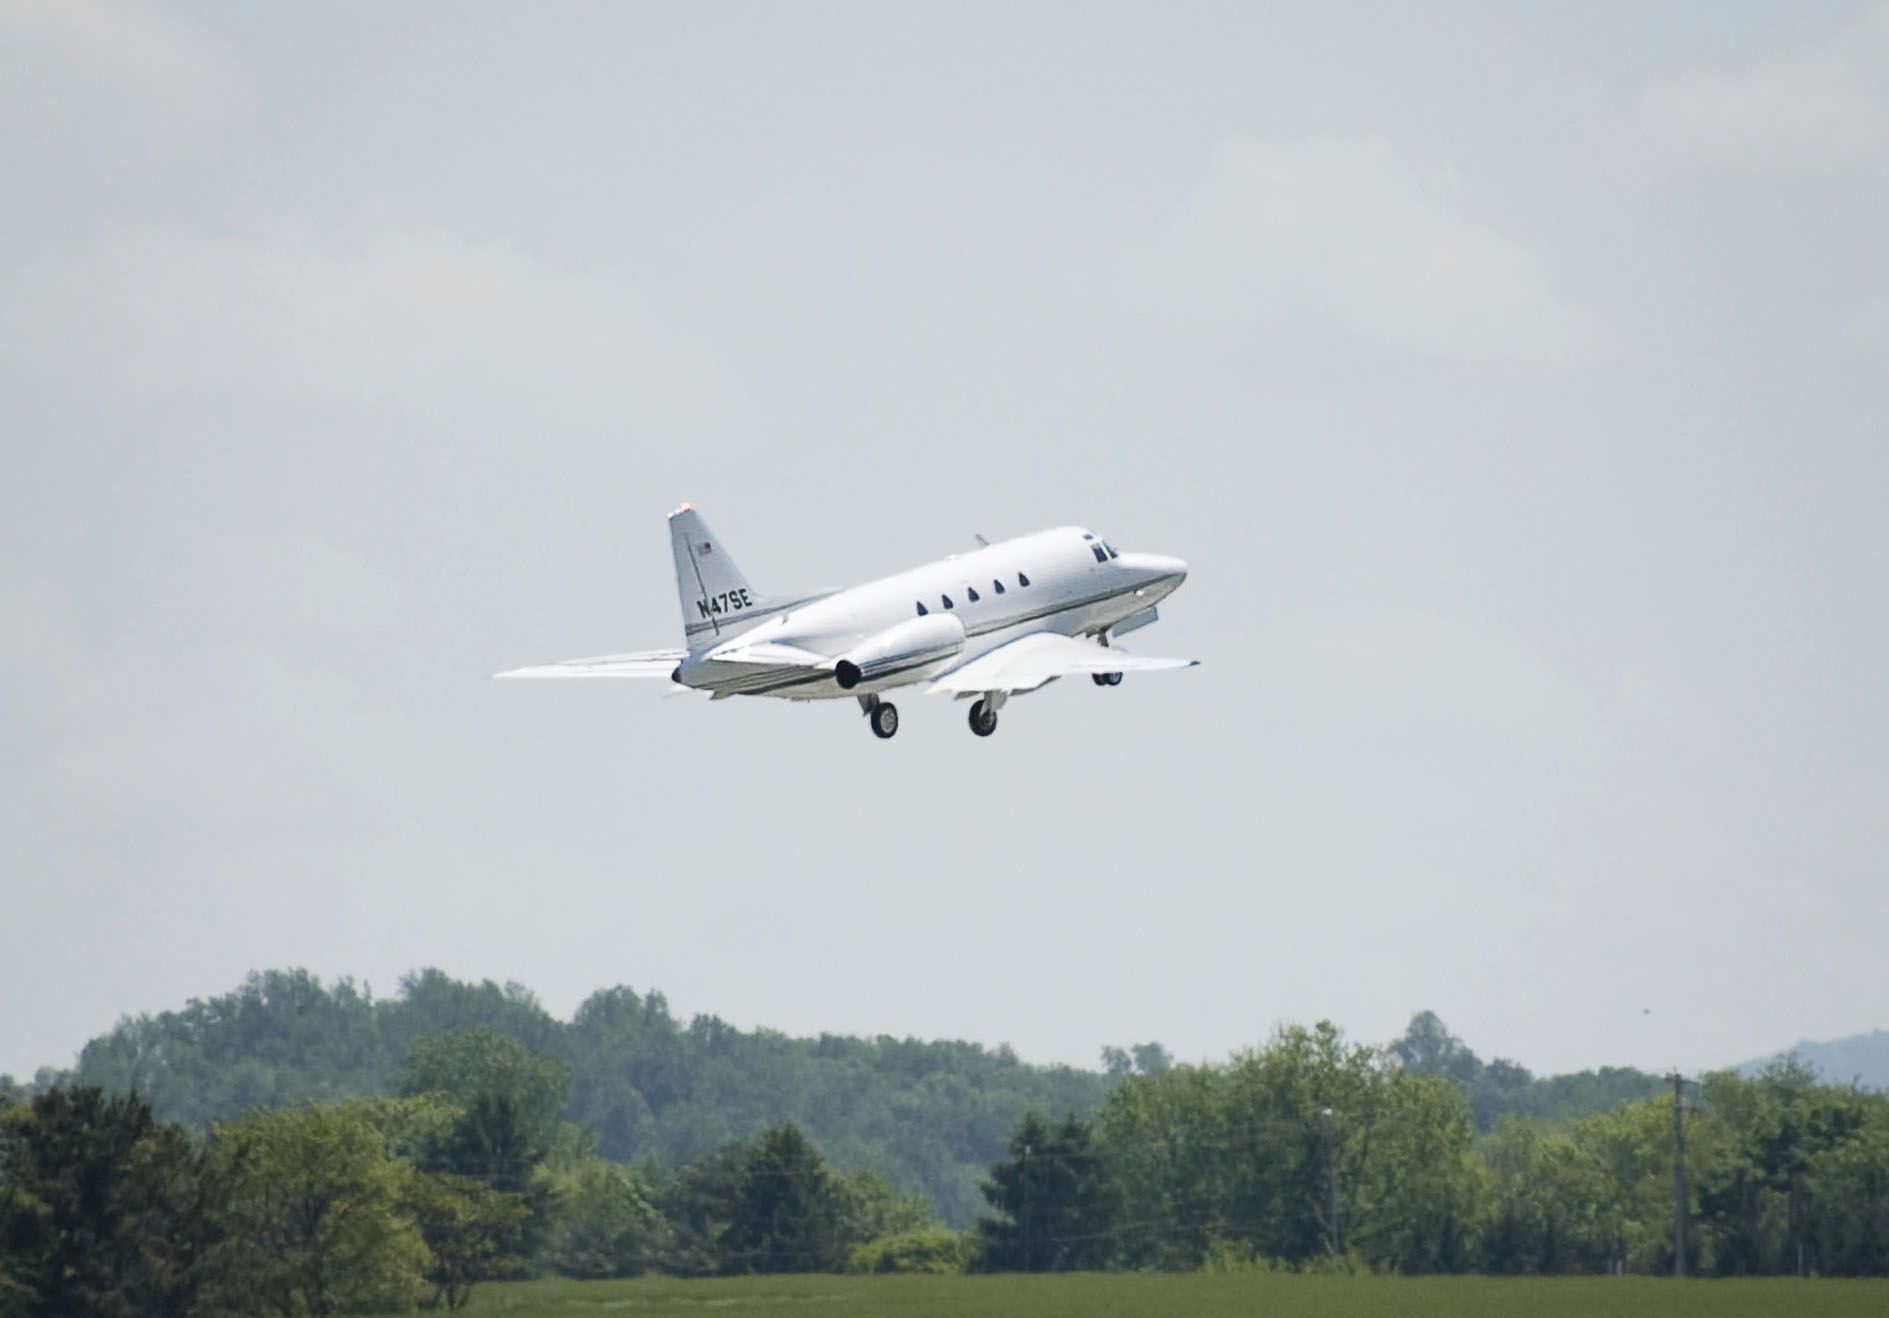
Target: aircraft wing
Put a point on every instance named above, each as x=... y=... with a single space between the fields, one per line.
x=645 y=663
x=1029 y=661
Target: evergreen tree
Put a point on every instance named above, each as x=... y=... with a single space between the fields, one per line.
x=788 y=1213
x=1056 y=1200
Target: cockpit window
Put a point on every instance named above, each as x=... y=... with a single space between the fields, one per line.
x=1100 y=557
x=1111 y=549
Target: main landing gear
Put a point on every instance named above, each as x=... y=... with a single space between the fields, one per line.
x=1106 y=679
x=884 y=717
x=983 y=717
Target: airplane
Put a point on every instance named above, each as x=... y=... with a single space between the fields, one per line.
x=1001 y=620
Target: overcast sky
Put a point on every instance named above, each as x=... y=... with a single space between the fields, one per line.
x=1514 y=378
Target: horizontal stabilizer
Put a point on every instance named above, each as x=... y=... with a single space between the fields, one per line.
x=1030 y=661
x=647 y=663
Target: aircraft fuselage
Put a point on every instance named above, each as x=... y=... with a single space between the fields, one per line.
x=1064 y=580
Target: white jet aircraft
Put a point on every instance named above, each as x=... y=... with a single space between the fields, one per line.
x=993 y=623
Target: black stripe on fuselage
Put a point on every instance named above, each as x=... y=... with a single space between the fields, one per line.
x=823 y=675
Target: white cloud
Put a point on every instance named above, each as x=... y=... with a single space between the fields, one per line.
x=401 y=322
x=1346 y=232
x=130 y=75
x=1825 y=108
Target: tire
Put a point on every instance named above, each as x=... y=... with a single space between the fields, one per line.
x=885 y=721
x=1114 y=679
x=983 y=719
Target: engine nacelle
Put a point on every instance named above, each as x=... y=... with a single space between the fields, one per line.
x=910 y=644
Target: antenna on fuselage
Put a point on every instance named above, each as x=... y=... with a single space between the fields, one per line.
x=982 y=543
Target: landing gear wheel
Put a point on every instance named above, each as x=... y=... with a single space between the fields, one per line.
x=885 y=720
x=983 y=719
x=1106 y=679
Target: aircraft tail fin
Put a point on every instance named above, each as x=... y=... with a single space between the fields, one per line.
x=717 y=601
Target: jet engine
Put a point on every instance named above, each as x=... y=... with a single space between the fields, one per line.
x=911 y=644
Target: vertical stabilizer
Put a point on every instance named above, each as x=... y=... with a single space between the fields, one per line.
x=717 y=601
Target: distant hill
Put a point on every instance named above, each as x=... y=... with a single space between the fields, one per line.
x=1862 y=1058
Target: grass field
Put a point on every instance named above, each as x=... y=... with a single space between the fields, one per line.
x=1097 y=1295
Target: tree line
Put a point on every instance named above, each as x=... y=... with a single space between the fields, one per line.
x=651 y=1086
x=657 y=1088
x=1315 y=1153
x=467 y=1172
x=1311 y=1153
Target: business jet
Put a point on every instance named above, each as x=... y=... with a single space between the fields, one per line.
x=995 y=622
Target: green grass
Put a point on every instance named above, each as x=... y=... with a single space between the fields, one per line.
x=1190 y=1295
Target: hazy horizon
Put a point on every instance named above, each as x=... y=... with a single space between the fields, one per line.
x=1515 y=382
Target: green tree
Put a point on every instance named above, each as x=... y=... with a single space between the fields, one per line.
x=698 y=1202
x=1542 y=1208
x=1300 y=1119
x=1849 y=1196
x=1504 y=1088
x=463 y=1224
x=511 y=1101
x=604 y=1222
x=103 y=1210
x=927 y=1250
x=511 y=1105
x=78 y=1239
x=1428 y=1048
x=321 y=1216
x=1057 y=1202
x=1166 y=1139
x=1421 y=1187
x=1632 y=1149
x=871 y=1206
x=789 y=1213
x=1756 y=1202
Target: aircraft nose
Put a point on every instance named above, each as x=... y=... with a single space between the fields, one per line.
x=1157 y=565
x=1169 y=566
x=1163 y=568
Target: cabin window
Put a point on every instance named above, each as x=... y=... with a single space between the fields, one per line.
x=997 y=585
x=972 y=592
x=947 y=602
x=1100 y=557
x=1022 y=580
x=922 y=610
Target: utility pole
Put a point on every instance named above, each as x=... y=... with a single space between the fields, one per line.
x=1679 y=1173
x=1025 y=1179
x=1331 y=1168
